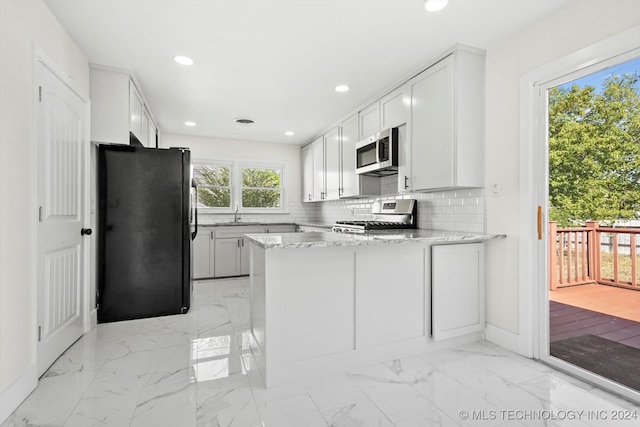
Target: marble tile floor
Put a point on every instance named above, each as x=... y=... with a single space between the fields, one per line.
x=197 y=370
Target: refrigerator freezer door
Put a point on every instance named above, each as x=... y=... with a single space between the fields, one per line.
x=143 y=223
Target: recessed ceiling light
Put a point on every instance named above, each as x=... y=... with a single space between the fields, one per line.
x=342 y=88
x=245 y=121
x=434 y=5
x=183 y=60
x=189 y=123
x=289 y=133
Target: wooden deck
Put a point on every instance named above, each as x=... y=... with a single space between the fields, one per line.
x=606 y=311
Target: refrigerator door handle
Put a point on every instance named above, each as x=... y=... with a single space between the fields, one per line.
x=195 y=209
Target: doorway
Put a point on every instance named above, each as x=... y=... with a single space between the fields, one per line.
x=594 y=200
x=61 y=244
x=591 y=304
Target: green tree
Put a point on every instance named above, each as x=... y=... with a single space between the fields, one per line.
x=213 y=186
x=261 y=188
x=594 y=152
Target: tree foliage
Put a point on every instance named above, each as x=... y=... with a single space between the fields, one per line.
x=214 y=186
x=261 y=187
x=594 y=152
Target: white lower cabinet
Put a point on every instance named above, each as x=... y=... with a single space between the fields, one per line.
x=232 y=255
x=391 y=301
x=458 y=290
x=228 y=257
x=321 y=310
x=203 y=254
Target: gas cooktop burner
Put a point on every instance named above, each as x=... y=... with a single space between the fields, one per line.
x=388 y=215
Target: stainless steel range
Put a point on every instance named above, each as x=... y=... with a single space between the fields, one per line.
x=387 y=215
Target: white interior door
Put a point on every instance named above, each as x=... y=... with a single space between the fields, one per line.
x=61 y=122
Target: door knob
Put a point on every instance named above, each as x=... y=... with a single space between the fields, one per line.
x=86 y=231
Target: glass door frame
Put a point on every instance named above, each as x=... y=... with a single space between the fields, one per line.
x=535 y=170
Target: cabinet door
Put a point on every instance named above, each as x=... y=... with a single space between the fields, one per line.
x=152 y=134
x=432 y=145
x=332 y=164
x=135 y=111
x=369 y=119
x=458 y=290
x=201 y=254
x=394 y=108
x=110 y=118
x=349 y=136
x=307 y=173
x=227 y=257
x=404 y=158
x=319 y=185
x=144 y=128
x=245 y=252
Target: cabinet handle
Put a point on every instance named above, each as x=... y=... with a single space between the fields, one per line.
x=309 y=197
x=340 y=192
x=243 y=241
x=211 y=235
x=238 y=242
x=406 y=179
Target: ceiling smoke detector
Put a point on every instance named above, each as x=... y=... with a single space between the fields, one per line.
x=244 y=121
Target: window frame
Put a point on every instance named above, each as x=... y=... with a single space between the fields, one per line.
x=217 y=163
x=235 y=183
x=261 y=165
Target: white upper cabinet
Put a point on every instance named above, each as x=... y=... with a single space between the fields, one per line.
x=394 y=108
x=352 y=184
x=332 y=164
x=307 y=173
x=369 y=121
x=136 y=108
x=117 y=108
x=439 y=114
x=446 y=128
x=319 y=183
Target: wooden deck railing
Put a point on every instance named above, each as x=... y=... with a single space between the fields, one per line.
x=593 y=254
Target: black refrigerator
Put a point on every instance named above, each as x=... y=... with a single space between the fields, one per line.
x=146 y=224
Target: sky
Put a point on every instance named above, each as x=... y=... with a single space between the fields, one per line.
x=597 y=79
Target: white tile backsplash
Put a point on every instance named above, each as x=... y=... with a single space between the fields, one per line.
x=455 y=210
x=297 y=212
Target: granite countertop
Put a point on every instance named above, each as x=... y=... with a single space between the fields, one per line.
x=249 y=224
x=323 y=240
x=241 y=223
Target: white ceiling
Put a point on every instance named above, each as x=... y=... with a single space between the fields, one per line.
x=277 y=61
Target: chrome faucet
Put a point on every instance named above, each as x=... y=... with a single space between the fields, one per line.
x=236 y=218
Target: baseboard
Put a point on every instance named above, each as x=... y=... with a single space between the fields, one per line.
x=506 y=339
x=17 y=392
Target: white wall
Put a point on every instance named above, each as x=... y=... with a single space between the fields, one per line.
x=203 y=148
x=23 y=25
x=577 y=26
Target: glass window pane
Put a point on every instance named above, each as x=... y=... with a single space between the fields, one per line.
x=214 y=185
x=214 y=197
x=252 y=198
x=261 y=178
x=217 y=176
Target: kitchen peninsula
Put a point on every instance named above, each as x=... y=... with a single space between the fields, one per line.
x=324 y=302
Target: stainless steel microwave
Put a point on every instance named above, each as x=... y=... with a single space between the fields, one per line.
x=378 y=154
